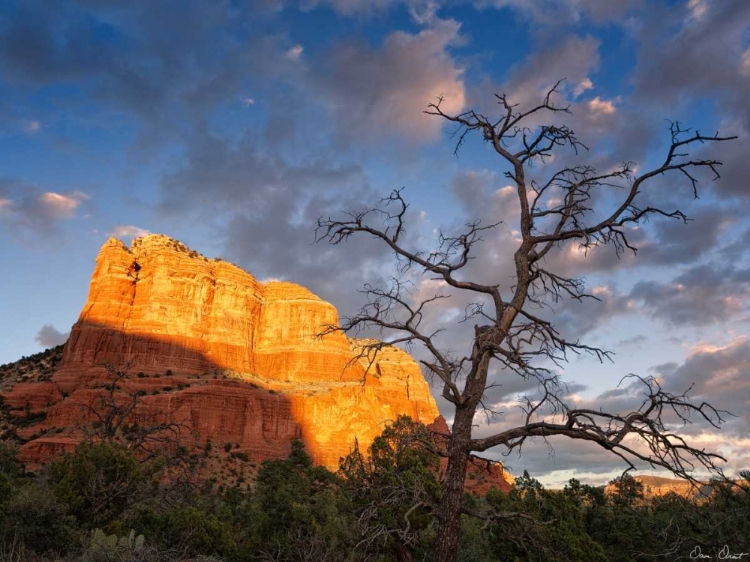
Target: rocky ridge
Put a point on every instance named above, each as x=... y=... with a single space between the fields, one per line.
x=202 y=341
x=657 y=486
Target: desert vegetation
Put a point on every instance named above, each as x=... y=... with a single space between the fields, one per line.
x=102 y=503
x=39 y=366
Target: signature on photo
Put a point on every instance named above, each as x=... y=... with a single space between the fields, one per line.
x=723 y=554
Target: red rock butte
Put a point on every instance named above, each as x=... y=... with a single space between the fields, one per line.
x=243 y=361
x=158 y=306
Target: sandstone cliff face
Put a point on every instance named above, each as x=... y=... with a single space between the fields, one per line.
x=158 y=307
x=175 y=309
x=239 y=361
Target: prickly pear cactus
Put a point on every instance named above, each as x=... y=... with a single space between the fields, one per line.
x=100 y=541
x=108 y=545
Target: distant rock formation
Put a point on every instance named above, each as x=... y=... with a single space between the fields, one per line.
x=656 y=486
x=206 y=343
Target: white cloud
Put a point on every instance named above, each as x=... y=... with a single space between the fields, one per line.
x=49 y=336
x=601 y=109
x=583 y=85
x=129 y=231
x=704 y=347
x=573 y=58
x=31 y=126
x=698 y=9
x=424 y=12
x=57 y=205
x=387 y=90
x=294 y=53
x=247 y=102
x=26 y=210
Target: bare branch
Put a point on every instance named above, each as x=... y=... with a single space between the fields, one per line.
x=513 y=339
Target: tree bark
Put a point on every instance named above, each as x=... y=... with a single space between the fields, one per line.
x=404 y=553
x=453 y=485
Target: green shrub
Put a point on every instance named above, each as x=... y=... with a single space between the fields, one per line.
x=99 y=482
x=39 y=520
x=9 y=464
x=193 y=531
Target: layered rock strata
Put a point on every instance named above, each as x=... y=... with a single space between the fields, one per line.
x=207 y=328
x=207 y=344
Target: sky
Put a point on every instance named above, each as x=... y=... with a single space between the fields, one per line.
x=233 y=125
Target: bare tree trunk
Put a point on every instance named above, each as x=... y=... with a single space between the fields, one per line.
x=453 y=486
x=404 y=553
x=514 y=337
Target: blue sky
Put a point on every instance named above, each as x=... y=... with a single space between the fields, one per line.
x=233 y=125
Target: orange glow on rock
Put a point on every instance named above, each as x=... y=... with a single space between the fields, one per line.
x=158 y=306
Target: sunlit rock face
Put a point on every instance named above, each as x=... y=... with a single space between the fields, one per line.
x=160 y=306
x=241 y=361
x=657 y=486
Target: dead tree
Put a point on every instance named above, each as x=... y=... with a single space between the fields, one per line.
x=514 y=337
